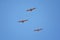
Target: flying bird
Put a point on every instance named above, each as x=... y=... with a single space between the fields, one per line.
x=38 y=29
x=22 y=21
x=31 y=9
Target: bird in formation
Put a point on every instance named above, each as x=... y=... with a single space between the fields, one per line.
x=22 y=21
x=31 y=9
x=38 y=29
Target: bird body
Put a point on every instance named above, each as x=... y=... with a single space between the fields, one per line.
x=31 y=9
x=38 y=29
x=23 y=21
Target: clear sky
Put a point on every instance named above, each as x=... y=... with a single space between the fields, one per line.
x=46 y=16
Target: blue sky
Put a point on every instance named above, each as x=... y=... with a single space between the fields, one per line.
x=46 y=16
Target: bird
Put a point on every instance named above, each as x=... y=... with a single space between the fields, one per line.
x=31 y=9
x=38 y=29
x=22 y=21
